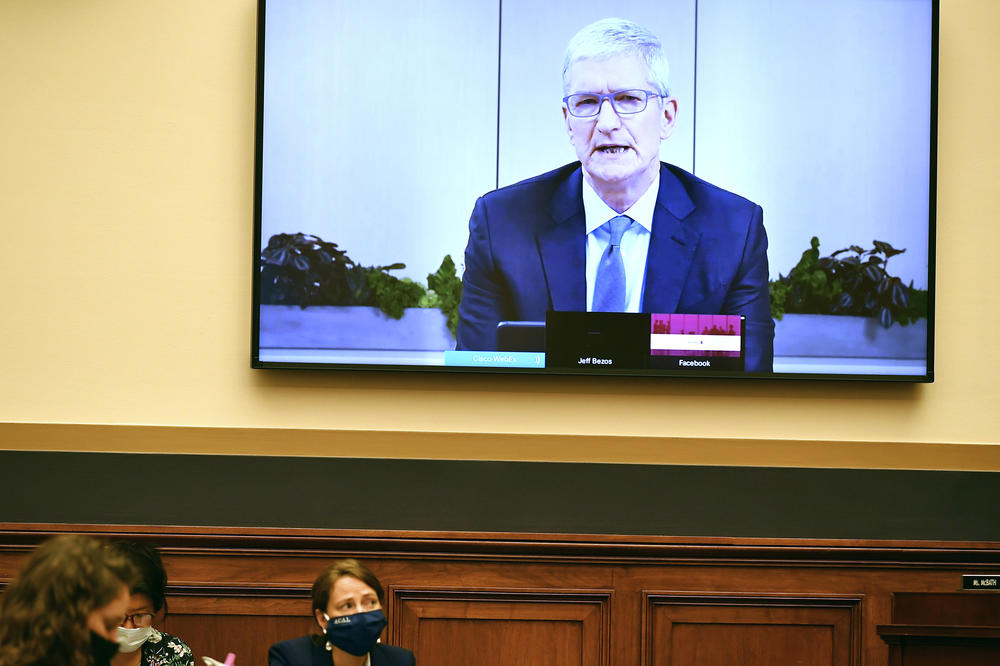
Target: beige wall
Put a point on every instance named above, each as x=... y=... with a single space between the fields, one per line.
x=126 y=131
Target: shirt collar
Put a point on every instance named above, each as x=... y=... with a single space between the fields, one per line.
x=597 y=212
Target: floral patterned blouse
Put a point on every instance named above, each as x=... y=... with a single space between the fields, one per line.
x=165 y=650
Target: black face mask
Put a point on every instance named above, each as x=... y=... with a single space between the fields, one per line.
x=102 y=650
x=355 y=634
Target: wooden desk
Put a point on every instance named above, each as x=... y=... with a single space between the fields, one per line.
x=943 y=629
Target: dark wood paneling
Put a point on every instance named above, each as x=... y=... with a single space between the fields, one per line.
x=720 y=630
x=952 y=653
x=941 y=629
x=215 y=620
x=613 y=600
x=973 y=609
x=457 y=627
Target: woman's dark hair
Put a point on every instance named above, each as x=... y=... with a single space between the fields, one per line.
x=43 y=613
x=327 y=578
x=152 y=577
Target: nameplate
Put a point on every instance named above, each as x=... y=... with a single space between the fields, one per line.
x=981 y=582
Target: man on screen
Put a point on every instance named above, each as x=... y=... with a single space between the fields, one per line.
x=617 y=231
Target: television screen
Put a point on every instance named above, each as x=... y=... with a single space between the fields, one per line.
x=668 y=187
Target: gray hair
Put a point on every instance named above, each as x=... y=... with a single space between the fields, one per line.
x=613 y=37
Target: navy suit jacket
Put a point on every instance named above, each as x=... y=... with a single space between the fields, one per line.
x=527 y=255
x=303 y=652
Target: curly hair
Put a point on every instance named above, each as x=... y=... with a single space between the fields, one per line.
x=43 y=613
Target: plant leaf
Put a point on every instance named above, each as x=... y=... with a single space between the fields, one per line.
x=873 y=272
x=886 y=249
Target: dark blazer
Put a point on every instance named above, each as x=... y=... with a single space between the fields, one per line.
x=303 y=652
x=527 y=255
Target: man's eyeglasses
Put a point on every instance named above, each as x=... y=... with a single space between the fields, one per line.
x=588 y=105
x=138 y=619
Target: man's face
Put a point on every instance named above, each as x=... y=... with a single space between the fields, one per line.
x=618 y=151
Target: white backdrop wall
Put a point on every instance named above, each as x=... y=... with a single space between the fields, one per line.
x=380 y=125
x=818 y=111
x=386 y=121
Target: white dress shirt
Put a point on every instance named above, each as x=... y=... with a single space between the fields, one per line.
x=635 y=242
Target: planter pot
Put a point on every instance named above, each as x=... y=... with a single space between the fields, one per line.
x=848 y=337
x=333 y=327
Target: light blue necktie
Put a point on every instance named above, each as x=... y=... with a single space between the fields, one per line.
x=609 y=287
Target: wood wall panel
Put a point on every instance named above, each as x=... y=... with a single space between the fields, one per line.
x=516 y=599
x=979 y=610
x=944 y=629
x=710 y=630
x=246 y=620
x=959 y=653
x=456 y=626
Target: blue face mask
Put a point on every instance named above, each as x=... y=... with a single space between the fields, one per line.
x=355 y=634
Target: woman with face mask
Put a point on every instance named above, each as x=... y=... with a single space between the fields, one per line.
x=347 y=602
x=65 y=605
x=141 y=644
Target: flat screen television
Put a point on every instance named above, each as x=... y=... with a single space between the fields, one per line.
x=420 y=202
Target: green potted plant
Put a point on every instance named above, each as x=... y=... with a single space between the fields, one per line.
x=304 y=272
x=856 y=295
x=851 y=281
